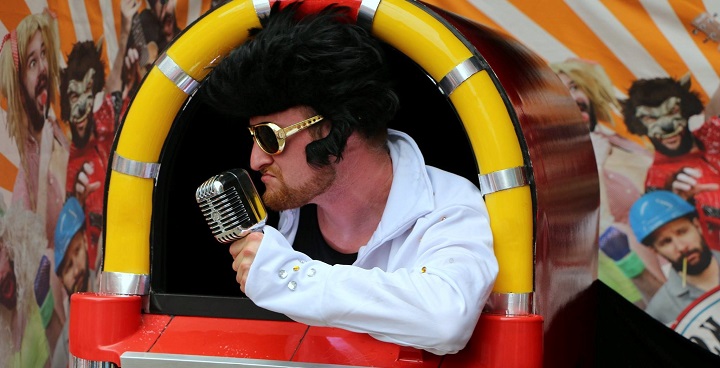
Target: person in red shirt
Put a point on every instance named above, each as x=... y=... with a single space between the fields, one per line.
x=686 y=162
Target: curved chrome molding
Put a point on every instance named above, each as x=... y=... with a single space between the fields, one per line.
x=510 y=304
x=461 y=73
x=176 y=74
x=366 y=14
x=76 y=362
x=124 y=283
x=503 y=179
x=138 y=359
x=145 y=170
x=262 y=8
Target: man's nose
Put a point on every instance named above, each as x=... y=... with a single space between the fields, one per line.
x=43 y=64
x=258 y=158
x=681 y=246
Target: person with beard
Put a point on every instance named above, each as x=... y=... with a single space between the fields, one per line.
x=23 y=339
x=93 y=107
x=369 y=239
x=624 y=264
x=669 y=225
x=686 y=162
x=71 y=266
x=28 y=80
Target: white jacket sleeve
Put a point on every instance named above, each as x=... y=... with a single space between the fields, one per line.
x=439 y=275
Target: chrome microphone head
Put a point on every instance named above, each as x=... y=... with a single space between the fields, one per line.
x=231 y=205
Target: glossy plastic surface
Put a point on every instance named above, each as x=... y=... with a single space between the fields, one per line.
x=501 y=341
x=225 y=337
x=102 y=327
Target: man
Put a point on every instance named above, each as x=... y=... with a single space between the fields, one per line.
x=23 y=313
x=369 y=238
x=71 y=261
x=622 y=165
x=669 y=225
x=686 y=162
x=71 y=266
x=28 y=79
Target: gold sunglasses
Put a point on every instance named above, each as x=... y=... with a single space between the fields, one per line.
x=271 y=138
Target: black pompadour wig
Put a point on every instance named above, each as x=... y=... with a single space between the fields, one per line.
x=323 y=61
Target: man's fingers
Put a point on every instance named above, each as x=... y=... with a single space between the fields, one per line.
x=687 y=179
x=88 y=168
x=695 y=173
x=83 y=178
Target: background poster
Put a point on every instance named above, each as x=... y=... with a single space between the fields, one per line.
x=645 y=77
x=649 y=60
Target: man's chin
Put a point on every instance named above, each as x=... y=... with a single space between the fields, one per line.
x=585 y=117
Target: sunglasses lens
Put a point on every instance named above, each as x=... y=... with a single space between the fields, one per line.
x=266 y=138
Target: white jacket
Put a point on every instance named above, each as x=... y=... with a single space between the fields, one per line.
x=421 y=280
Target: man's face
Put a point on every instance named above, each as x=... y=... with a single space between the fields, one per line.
x=682 y=238
x=289 y=181
x=581 y=99
x=74 y=270
x=666 y=127
x=80 y=94
x=165 y=12
x=34 y=75
x=8 y=282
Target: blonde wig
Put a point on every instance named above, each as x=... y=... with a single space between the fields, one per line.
x=591 y=78
x=12 y=65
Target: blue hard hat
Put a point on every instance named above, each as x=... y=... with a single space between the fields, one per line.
x=656 y=209
x=71 y=219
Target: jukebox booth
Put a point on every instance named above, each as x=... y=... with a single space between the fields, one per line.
x=167 y=296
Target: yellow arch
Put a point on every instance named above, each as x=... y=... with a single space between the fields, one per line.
x=406 y=26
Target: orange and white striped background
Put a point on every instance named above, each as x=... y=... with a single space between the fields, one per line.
x=78 y=20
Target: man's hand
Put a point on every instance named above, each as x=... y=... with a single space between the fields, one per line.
x=128 y=8
x=83 y=186
x=243 y=252
x=132 y=70
x=685 y=183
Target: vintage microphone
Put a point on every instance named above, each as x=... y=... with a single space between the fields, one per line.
x=231 y=205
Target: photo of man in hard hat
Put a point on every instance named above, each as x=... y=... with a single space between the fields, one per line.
x=71 y=264
x=669 y=225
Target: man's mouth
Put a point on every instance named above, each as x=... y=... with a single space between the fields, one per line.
x=582 y=106
x=41 y=90
x=79 y=121
x=583 y=111
x=42 y=98
x=673 y=134
x=79 y=282
x=693 y=257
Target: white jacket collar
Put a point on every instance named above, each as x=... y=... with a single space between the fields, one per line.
x=411 y=193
